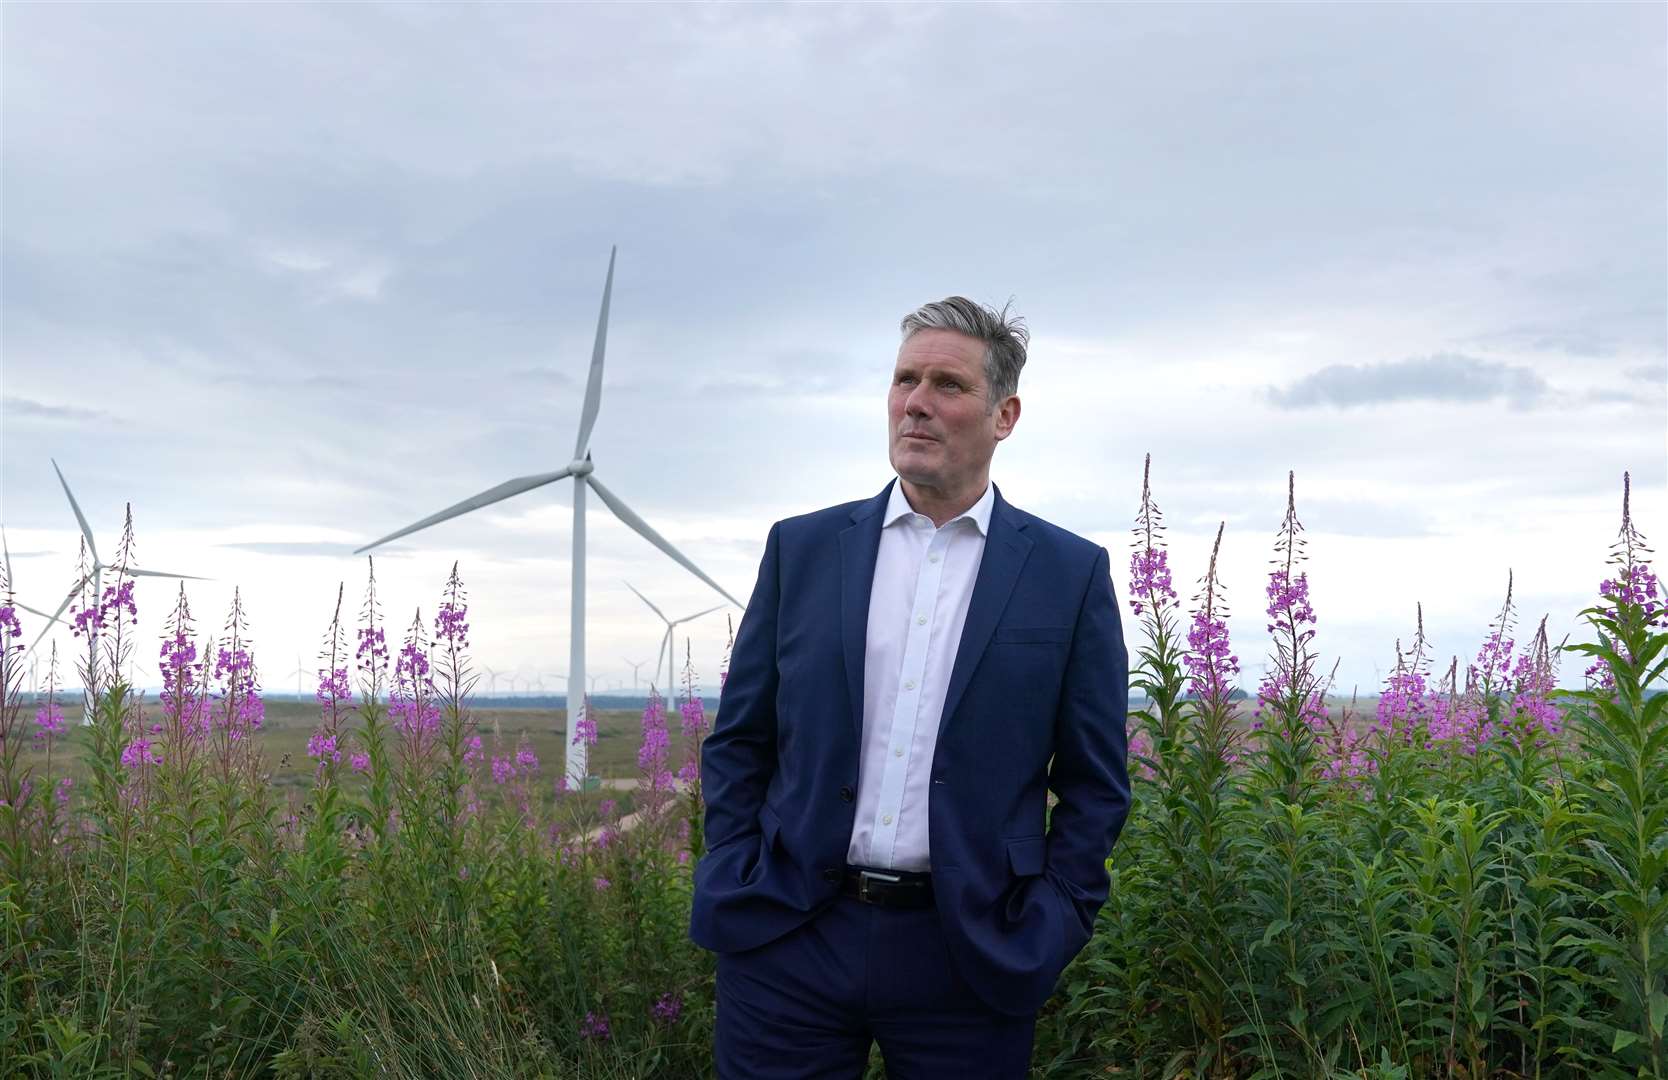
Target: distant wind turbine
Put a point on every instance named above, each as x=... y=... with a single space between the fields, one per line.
x=5 y=549
x=636 y=668
x=492 y=679
x=99 y=565
x=583 y=474
x=667 y=643
x=299 y=673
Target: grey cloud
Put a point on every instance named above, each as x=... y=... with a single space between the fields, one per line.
x=38 y=410
x=1651 y=373
x=1442 y=377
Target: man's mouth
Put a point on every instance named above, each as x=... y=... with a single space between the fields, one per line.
x=917 y=435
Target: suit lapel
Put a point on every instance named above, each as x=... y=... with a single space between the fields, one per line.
x=859 y=545
x=1006 y=549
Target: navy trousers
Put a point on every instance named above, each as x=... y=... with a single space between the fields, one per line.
x=808 y=1005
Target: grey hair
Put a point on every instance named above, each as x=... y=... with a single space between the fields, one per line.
x=1004 y=337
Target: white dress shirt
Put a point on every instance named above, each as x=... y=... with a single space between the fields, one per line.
x=923 y=583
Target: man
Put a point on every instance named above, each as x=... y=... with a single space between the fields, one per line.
x=913 y=674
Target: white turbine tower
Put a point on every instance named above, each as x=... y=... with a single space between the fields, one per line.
x=636 y=670
x=668 y=645
x=492 y=679
x=299 y=673
x=582 y=472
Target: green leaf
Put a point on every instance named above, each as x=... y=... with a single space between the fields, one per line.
x=1275 y=927
x=1623 y=1039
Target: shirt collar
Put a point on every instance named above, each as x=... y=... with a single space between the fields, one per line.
x=898 y=508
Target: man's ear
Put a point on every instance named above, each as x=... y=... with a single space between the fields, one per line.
x=1007 y=415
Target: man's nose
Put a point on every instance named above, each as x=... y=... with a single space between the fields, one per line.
x=917 y=401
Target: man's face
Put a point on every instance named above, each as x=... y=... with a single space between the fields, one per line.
x=943 y=431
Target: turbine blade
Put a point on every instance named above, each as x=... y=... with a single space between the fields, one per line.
x=646 y=600
x=475 y=502
x=86 y=530
x=697 y=615
x=50 y=619
x=627 y=515
x=163 y=573
x=593 y=385
x=42 y=614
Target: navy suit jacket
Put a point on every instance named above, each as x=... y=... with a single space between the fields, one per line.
x=1037 y=700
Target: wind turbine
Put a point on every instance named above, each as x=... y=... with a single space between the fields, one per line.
x=636 y=668
x=299 y=673
x=583 y=474
x=667 y=644
x=99 y=566
x=492 y=679
x=6 y=550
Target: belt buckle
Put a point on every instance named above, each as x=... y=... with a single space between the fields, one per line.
x=863 y=879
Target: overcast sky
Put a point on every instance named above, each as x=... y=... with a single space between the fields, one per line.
x=288 y=278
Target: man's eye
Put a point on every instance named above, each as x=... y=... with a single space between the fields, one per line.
x=906 y=378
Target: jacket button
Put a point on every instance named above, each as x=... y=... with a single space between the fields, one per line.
x=830 y=875
x=847 y=794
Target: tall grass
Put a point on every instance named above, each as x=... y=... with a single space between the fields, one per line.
x=1467 y=882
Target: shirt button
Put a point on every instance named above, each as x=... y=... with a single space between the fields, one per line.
x=886 y=820
x=897 y=753
x=846 y=794
x=933 y=557
x=830 y=875
x=909 y=685
x=920 y=620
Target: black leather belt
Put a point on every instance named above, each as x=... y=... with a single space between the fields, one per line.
x=888 y=888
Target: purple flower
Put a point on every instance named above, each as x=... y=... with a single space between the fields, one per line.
x=449 y=625
x=472 y=751
x=9 y=626
x=1149 y=579
x=594 y=1026
x=651 y=755
x=600 y=884
x=1288 y=601
x=360 y=762
x=667 y=1008
x=322 y=746
x=115 y=601
x=333 y=687
x=1149 y=568
x=585 y=728
x=139 y=753
x=525 y=759
x=1208 y=661
x=87 y=621
x=503 y=770
x=372 y=651
x=63 y=792
x=49 y=721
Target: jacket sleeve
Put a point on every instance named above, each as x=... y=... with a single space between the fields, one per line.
x=738 y=757
x=1090 y=769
